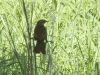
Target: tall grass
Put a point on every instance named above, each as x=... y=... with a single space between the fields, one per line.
x=73 y=28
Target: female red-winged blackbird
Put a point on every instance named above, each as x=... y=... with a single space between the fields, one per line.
x=40 y=34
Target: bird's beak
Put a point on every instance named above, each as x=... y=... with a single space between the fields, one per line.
x=47 y=21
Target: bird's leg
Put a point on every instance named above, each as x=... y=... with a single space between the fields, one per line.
x=49 y=41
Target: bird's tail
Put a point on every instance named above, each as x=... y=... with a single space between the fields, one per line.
x=40 y=47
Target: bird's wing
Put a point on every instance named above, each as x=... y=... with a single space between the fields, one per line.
x=40 y=33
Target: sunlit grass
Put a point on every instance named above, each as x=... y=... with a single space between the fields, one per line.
x=76 y=36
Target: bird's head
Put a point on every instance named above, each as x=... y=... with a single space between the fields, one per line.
x=41 y=22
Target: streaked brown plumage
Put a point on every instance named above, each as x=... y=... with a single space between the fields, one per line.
x=40 y=34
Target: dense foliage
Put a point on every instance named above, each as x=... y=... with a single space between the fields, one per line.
x=73 y=28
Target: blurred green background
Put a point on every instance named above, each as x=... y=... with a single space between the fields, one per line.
x=74 y=27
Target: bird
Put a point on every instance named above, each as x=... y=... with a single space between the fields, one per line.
x=40 y=35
